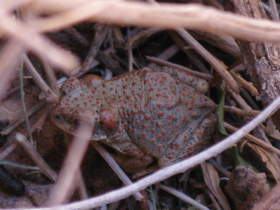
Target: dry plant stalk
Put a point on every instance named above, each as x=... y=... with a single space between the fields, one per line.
x=183 y=197
x=36 y=157
x=13 y=50
x=39 y=44
x=116 y=168
x=172 y=16
x=67 y=176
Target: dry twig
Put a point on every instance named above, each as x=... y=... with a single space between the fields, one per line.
x=241 y=112
x=115 y=167
x=218 y=65
x=183 y=197
x=254 y=139
x=14 y=125
x=39 y=44
x=62 y=190
x=12 y=51
x=51 y=96
x=36 y=157
x=191 y=16
x=176 y=66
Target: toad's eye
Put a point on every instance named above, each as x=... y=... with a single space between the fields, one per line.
x=58 y=117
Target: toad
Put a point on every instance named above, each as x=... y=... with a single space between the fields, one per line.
x=147 y=116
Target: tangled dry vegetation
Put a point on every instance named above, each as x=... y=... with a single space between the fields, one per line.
x=232 y=44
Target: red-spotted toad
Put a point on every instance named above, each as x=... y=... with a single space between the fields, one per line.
x=146 y=115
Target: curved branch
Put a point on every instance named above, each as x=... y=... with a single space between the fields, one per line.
x=172 y=170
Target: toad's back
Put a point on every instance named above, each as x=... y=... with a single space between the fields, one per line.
x=156 y=108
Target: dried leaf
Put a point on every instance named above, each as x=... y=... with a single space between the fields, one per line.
x=212 y=180
x=271 y=161
x=272 y=131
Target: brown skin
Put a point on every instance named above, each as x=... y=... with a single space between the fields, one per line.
x=145 y=115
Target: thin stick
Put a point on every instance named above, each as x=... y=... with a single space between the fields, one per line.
x=130 y=57
x=225 y=43
x=183 y=197
x=177 y=168
x=242 y=103
x=51 y=77
x=82 y=186
x=176 y=66
x=274 y=10
x=142 y=36
x=244 y=83
x=218 y=65
x=115 y=167
x=168 y=53
x=12 y=4
x=190 y=16
x=13 y=126
x=44 y=167
x=62 y=189
x=38 y=43
x=51 y=96
x=254 y=139
x=36 y=157
x=9 y=59
x=22 y=97
x=241 y=112
x=4 y=153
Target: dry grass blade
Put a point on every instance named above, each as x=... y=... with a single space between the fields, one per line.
x=237 y=97
x=274 y=10
x=191 y=16
x=116 y=168
x=225 y=43
x=183 y=197
x=212 y=180
x=244 y=83
x=176 y=66
x=39 y=44
x=51 y=96
x=67 y=175
x=241 y=112
x=12 y=4
x=269 y=160
x=13 y=126
x=218 y=65
x=12 y=50
x=52 y=6
x=5 y=152
x=254 y=139
x=36 y=157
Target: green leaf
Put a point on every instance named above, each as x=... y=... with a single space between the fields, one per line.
x=220 y=110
